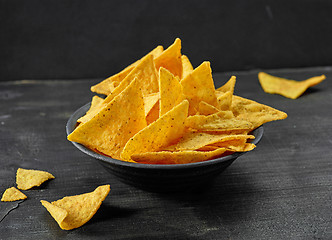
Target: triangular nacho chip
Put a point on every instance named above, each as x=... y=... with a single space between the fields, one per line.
x=161 y=133
x=198 y=86
x=170 y=90
x=228 y=86
x=187 y=68
x=254 y=112
x=180 y=157
x=109 y=130
x=74 y=211
x=197 y=140
x=171 y=59
x=221 y=121
x=28 y=178
x=286 y=87
x=107 y=85
x=96 y=106
x=149 y=101
x=12 y=194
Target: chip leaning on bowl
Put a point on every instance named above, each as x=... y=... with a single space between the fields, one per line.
x=160 y=110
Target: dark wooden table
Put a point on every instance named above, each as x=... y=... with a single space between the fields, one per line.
x=281 y=190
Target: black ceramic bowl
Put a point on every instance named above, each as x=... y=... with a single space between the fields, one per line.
x=160 y=178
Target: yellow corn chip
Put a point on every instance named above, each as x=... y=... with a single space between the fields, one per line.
x=171 y=59
x=96 y=106
x=153 y=114
x=170 y=91
x=254 y=112
x=198 y=86
x=149 y=101
x=206 y=109
x=285 y=87
x=181 y=157
x=107 y=85
x=187 y=68
x=28 y=178
x=163 y=132
x=225 y=101
x=74 y=211
x=197 y=140
x=109 y=130
x=228 y=86
x=12 y=194
x=220 y=121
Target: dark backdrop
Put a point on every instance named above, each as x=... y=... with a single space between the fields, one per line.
x=42 y=39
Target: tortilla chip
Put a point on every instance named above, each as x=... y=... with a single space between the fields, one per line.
x=149 y=101
x=228 y=86
x=198 y=86
x=109 y=130
x=225 y=101
x=107 y=85
x=187 y=68
x=223 y=121
x=74 y=211
x=285 y=87
x=12 y=194
x=171 y=59
x=254 y=112
x=28 y=178
x=170 y=91
x=153 y=114
x=197 y=140
x=206 y=109
x=146 y=76
x=181 y=157
x=96 y=106
x=161 y=133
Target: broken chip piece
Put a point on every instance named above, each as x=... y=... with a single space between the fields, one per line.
x=28 y=178
x=12 y=194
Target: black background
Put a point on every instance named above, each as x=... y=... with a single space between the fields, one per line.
x=94 y=39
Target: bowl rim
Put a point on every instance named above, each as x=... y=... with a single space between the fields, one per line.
x=71 y=123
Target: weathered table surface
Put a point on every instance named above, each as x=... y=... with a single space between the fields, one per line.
x=281 y=190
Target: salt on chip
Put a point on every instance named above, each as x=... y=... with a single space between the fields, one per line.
x=187 y=67
x=198 y=86
x=163 y=132
x=171 y=59
x=74 y=211
x=286 y=87
x=12 y=194
x=170 y=90
x=109 y=130
x=254 y=112
x=228 y=86
x=107 y=85
x=96 y=106
x=29 y=178
x=181 y=157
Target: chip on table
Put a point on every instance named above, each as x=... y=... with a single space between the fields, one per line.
x=12 y=194
x=74 y=211
x=29 y=178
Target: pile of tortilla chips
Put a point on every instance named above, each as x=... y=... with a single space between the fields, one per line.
x=160 y=110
